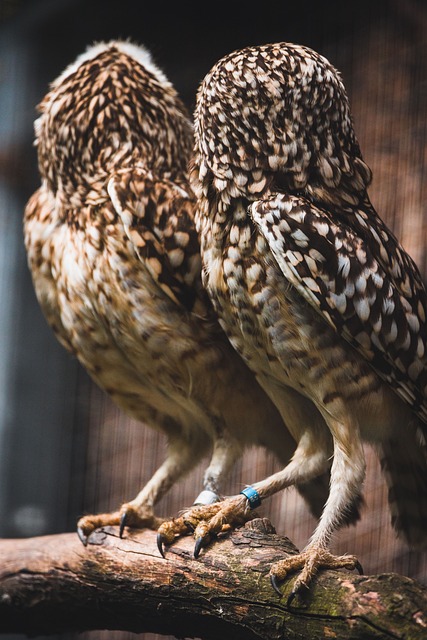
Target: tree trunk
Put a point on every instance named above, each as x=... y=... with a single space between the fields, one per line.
x=53 y=584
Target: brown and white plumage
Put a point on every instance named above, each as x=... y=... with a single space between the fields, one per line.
x=115 y=261
x=311 y=287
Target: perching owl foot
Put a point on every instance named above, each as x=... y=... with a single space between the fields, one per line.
x=206 y=522
x=309 y=562
x=128 y=516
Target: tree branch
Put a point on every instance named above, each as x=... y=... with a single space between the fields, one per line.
x=53 y=584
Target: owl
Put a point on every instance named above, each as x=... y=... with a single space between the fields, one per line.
x=312 y=289
x=115 y=261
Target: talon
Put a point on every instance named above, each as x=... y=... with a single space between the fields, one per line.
x=160 y=541
x=198 y=547
x=291 y=598
x=275 y=584
x=359 y=567
x=83 y=537
x=123 y=520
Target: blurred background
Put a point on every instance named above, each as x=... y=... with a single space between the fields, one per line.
x=65 y=449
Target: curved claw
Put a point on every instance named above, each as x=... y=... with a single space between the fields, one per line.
x=198 y=547
x=291 y=598
x=123 y=522
x=160 y=541
x=359 y=567
x=275 y=584
x=83 y=537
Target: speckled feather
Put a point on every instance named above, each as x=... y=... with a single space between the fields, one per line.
x=115 y=261
x=312 y=288
x=377 y=304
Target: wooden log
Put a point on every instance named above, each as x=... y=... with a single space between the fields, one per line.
x=53 y=584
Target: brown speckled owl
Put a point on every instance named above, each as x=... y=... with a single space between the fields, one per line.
x=115 y=262
x=312 y=289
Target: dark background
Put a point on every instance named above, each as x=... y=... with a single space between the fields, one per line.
x=64 y=449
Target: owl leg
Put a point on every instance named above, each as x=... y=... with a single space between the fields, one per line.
x=208 y=521
x=225 y=452
x=347 y=474
x=139 y=512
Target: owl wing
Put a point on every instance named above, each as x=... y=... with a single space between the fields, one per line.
x=359 y=280
x=40 y=219
x=157 y=217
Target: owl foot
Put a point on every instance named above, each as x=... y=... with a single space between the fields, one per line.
x=128 y=516
x=309 y=562
x=88 y=524
x=206 y=522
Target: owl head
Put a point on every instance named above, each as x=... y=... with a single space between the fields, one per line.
x=277 y=117
x=111 y=107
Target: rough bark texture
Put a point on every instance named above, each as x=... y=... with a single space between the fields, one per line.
x=53 y=584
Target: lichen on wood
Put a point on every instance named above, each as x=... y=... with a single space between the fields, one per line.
x=53 y=584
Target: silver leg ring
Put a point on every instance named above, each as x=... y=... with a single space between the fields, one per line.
x=206 y=497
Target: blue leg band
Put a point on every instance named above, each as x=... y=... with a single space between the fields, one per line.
x=252 y=496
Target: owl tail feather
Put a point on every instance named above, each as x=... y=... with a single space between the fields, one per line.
x=404 y=463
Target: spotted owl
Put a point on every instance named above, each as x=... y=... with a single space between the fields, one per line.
x=313 y=290
x=115 y=261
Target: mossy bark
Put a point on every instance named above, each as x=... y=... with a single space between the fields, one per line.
x=53 y=584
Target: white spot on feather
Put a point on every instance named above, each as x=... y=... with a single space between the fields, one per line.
x=311 y=284
x=294 y=257
x=377 y=280
x=361 y=255
x=176 y=256
x=253 y=272
x=360 y=284
x=339 y=301
x=322 y=228
x=377 y=325
x=300 y=238
x=388 y=306
x=343 y=265
x=362 y=308
x=413 y=322
x=392 y=334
